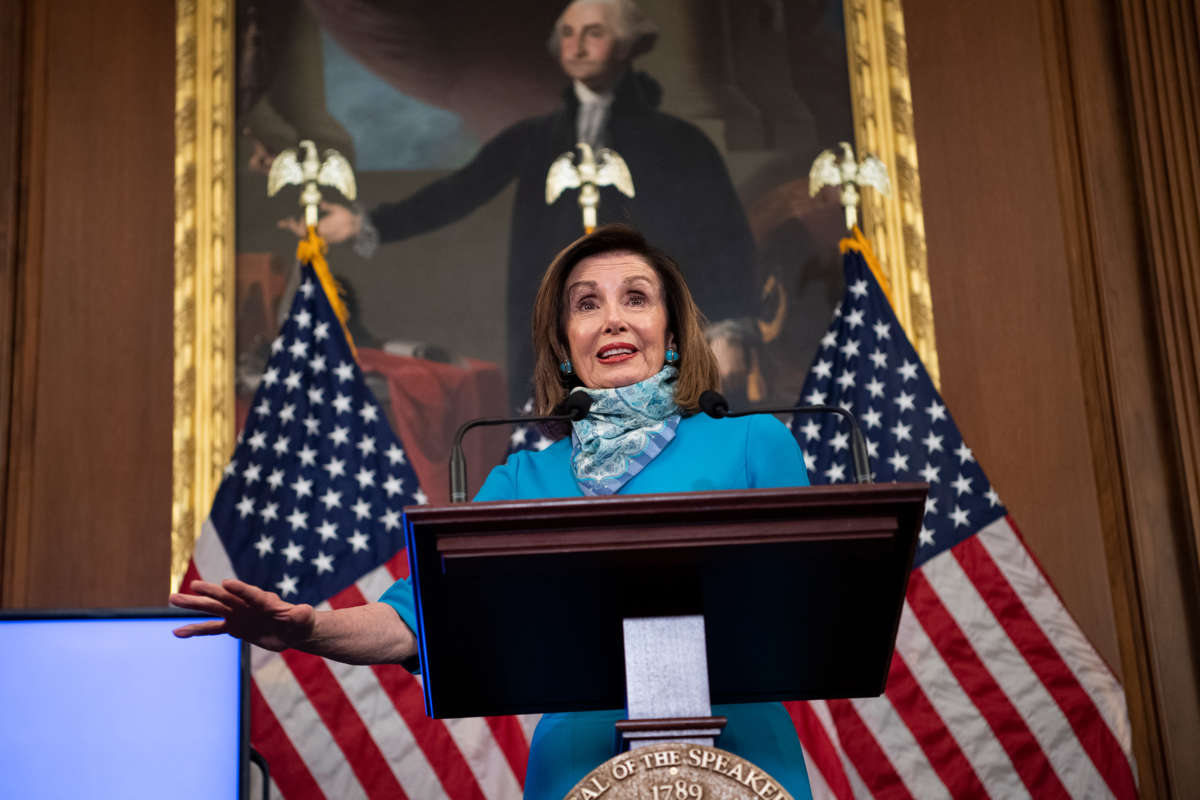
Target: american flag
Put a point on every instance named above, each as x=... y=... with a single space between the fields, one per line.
x=993 y=689
x=311 y=507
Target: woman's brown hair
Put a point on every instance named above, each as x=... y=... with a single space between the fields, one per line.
x=697 y=364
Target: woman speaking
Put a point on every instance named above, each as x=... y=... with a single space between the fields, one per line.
x=613 y=318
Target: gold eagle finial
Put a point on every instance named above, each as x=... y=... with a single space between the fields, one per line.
x=334 y=170
x=593 y=169
x=848 y=175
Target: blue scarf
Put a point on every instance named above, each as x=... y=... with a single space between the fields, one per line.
x=624 y=430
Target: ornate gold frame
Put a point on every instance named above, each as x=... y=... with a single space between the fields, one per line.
x=204 y=280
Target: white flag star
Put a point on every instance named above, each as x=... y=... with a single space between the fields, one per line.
x=926 y=536
x=303 y=318
x=875 y=387
x=297 y=519
x=859 y=288
x=288 y=412
x=286 y=585
x=339 y=435
x=312 y=425
x=344 y=372
x=271 y=376
x=905 y=402
x=811 y=430
x=907 y=370
x=840 y=441
x=281 y=445
x=276 y=345
x=369 y=412
x=961 y=484
x=936 y=411
x=358 y=541
x=275 y=478
x=269 y=512
x=882 y=330
x=930 y=505
x=264 y=545
x=327 y=530
x=306 y=288
x=341 y=403
x=257 y=440
x=878 y=358
x=899 y=462
x=929 y=474
x=361 y=509
x=846 y=379
x=323 y=563
x=992 y=498
x=317 y=364
x=964 y=453
x=308 y=456
x=298 y=349
x=293 y=552
x=394 y=455
x=331 y=499
x=293 y=381
x=823 y=369
x=419 y=497
x=850 y=348
x=391 y=519
x=836 y=472
x=336 y=467
x=251 y=473
x=932 y=443
x=246 y=506
x=302 y=487
x=393 y=485
x=855 y=318
x=872 y=418
x=959 y=515
x=901 y=431
x=365 y=477
x=321 y=332
x=316 y=395
x=517 y=438
x=366 y=445
x=815 y=398
x=263 y=408
x=828 y=340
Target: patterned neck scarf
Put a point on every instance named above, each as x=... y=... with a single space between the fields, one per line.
x=624 y=430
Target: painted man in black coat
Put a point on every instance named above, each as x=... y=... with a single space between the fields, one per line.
x=685 y=202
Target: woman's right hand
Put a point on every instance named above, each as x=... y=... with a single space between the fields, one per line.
x=247 y=612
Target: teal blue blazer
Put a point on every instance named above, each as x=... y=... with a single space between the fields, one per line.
x=706 y=454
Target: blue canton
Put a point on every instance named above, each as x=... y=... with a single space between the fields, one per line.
x=313 y=496
x=866 y=365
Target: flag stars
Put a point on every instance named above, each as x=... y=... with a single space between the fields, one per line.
x=361 y=509
x=303 y=318
x=878 y=358
x=828 y=340
x=336 y=467
x=872 y=448
x=257 y=440
x=873 y=419
x=302 y=487
x=904 y=401
x=293 y=552
x=959 y=516
x=929 y=473
x=517 y=438
x=246 y=506
x=366 y=445
x=251 y=473
x=823 y=369
x=961 y=484
x=394 y=455
x=875 y=387
x=286 y=585
x=964 y=453
x=271 y=376
x=323 y=563
x=859 y=288
x=925 y=537
x=331 y=499
x=932 y=442
x=936 y=412
x=358 y=542
x=339 y=435
x=836 y=472
x=231 y=467
x=369 y=412
x=344 y=371
x=297 y=519
x=391 y=519
x=542 y=443
x=846 y=379
x=306 y=288
x=419 y=497
x=882 y=330
x=316 y=395
x=298 y=349
x=855 y=319
x=317 y=364
x=992 y=498
x=275 y=479
x=907 y=370
x=277 y=344
x=312 y=425
x=840 y=441
x=365 y=478
x=281 y=445
x=811 y=430
x=815 y=398
x=899 y=462
x=850 y=348
x=930 y=505
x=901 y=431
x=321 y=331
x=308 y=456
x=393 y=485
x=810 y=461
x=269 y=512
x=341 y=403
x=292 y=381
x=265 y=545
x=327 y=530
x=288 y=412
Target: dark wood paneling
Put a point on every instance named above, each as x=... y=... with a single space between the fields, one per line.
x=95 y=455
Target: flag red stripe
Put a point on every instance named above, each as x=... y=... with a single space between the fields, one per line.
x=930 y=731
x=345 y=725
x=1090 y=728
x=267 y=736
x=398 y=565
x=860 y=746
x=192 y=574
x=511 y=739
x=1013 y=734
x=820 y=749
x=431 y=735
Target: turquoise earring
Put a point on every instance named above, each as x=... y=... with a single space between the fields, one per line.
x=672 y=356
x=565 y=367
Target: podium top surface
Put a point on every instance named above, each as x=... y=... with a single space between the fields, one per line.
x=520 y=602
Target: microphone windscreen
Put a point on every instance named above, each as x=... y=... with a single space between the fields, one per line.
x=577 y=405
x=714 y=404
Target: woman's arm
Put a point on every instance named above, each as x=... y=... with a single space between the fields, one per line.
x=369 y=634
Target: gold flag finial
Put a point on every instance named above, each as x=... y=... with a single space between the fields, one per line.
x=592 y=170
x=331 y=170
x=848 y=175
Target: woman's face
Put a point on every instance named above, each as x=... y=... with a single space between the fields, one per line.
x=616 y=320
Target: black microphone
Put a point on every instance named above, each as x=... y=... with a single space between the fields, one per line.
x=573 y=409
x=716 y=406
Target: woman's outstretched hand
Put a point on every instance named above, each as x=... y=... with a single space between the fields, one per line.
x=247 y=612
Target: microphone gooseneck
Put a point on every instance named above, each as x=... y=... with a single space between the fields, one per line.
x=573 y=409
x=716 y=406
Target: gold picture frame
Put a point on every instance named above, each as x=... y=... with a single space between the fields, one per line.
x=203 y=433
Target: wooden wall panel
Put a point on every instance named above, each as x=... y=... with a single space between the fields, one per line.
x=1001 y=290
x=92 y=514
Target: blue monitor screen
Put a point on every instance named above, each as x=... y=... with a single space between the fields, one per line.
x=117 y=707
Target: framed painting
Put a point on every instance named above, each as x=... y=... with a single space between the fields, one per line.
x=451 y=115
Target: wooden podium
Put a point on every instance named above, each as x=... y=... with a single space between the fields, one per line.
x=524 y=606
